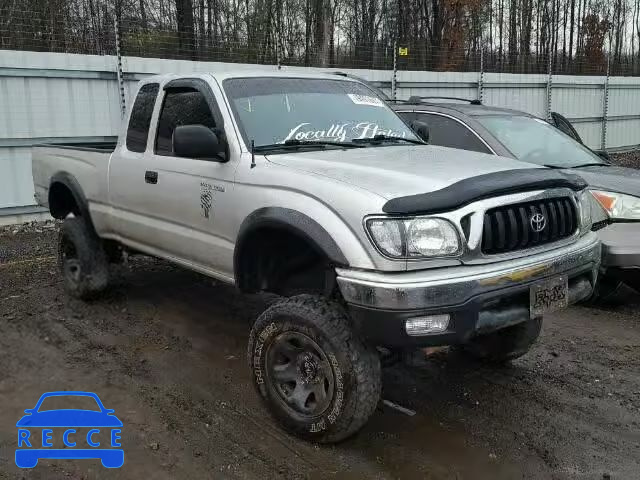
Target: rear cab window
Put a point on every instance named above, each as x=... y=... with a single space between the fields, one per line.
x=140 y=119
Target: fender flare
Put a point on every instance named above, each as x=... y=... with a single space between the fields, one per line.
x=291 y=221
x=74 y=187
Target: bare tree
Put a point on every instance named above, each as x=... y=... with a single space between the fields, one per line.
x=441 y=34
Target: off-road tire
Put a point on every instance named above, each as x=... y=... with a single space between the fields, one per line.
x=354 y=365
x=82 y=259
x=633 y=283
x=606 y=287
x=505 y=344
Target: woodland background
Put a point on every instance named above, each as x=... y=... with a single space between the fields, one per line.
x=521 y=36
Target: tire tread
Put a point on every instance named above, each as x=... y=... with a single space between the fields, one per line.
x=331 y=319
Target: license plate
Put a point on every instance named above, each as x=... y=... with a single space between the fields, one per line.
x=548 y=296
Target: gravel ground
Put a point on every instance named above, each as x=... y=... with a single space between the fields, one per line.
x=166 y=349
x=627 y=159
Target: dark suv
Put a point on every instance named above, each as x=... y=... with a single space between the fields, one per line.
x=469 y=125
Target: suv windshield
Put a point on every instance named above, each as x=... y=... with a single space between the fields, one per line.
x=274 y=110
x=535 y=141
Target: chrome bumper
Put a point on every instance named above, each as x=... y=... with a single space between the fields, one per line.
x=442 y=287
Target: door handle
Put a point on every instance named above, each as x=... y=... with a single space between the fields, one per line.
x=151 y=177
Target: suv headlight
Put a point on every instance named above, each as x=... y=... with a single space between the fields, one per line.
x=618 y=205
x=414 y=238
x=586 y=221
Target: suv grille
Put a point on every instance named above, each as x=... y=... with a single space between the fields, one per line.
x=526 y=225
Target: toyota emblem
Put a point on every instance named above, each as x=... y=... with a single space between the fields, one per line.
x=538 y=222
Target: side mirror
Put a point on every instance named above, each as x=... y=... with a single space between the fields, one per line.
x=421 y=129
x=29 y=410
x=197 y=141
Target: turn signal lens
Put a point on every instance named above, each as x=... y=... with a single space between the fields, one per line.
x=607 y=201
x=619 y=206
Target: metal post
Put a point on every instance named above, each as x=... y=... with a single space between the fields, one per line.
x=549 y=86
x=481 y=76
x=123 y=106
x=605 y=106
x=278 y=48
x=395 y=70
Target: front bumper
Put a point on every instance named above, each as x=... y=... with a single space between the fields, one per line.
x=478 y=298
x=620 y=245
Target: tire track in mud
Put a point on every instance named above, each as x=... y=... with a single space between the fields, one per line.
x=79 y=347
x=173 y=345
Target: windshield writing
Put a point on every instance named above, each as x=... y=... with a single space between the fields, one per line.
x=274 y=110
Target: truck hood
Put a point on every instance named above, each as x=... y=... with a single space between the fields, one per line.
x=392 y=171
x=611 y=178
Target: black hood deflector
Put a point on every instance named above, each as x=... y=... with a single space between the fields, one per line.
x=484 y=186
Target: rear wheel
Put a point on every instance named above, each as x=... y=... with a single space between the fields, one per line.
x=506 y=344
x=82 y=259
x=316 y=376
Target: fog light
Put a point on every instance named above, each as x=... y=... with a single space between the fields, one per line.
x=428 y=324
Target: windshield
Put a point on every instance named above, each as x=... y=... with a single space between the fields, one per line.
x=535 y=141
x=273 y=110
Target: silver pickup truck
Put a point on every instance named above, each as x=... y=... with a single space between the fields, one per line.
x=310 y=187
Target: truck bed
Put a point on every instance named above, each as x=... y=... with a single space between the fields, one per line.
x=86 y=163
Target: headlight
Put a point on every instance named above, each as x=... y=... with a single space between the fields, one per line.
x=414 y=238
x=618 y=205
x=586 y=221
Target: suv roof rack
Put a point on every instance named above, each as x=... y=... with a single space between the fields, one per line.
x=418 y=99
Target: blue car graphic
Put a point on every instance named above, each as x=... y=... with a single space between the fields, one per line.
x=68 y=419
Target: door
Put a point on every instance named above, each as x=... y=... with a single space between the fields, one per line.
x=179 y=206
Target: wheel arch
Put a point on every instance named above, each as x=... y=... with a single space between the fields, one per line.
x=66 y=196
x=288 y=222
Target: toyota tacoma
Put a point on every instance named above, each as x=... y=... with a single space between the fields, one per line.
x=310 y=187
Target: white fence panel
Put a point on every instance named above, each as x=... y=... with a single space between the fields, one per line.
x=54 y=97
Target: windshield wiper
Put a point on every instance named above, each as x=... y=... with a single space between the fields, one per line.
x=594 y=164
x=555 y=167
x=387 y=138
x=294 y=144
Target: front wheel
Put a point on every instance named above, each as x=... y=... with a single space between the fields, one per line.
x=316 y=376
x=506 y=344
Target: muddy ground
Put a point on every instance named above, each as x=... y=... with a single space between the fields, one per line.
x=166 y=349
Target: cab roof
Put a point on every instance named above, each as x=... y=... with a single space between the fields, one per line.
x=252 y=73
x=257 y=72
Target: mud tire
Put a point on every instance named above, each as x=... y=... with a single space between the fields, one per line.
x=82 y=259
x=354 y=366
x=606 y=288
